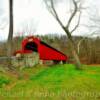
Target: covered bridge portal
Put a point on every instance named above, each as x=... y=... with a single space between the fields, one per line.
x=46 y=52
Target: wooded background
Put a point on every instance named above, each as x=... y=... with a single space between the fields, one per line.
x=89 y=48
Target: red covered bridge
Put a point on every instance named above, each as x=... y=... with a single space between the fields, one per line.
x=46 y=52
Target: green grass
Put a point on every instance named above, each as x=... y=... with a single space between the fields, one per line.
x=3 y=81
x=59 y=82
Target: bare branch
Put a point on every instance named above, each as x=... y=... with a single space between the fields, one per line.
x=49 y=8
x=56 y=15
x=79 y=43
x=77 y=25
x=53 y=11
x=73 y=14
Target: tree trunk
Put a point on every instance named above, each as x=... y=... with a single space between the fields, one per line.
x=73 y=49
x=10 y=36
x=76 y=57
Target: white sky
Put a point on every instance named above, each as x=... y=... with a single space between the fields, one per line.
x=31 y=14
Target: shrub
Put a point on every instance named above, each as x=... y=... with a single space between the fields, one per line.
x=3 y=81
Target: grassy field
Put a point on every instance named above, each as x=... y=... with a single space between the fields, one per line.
x=59 y=82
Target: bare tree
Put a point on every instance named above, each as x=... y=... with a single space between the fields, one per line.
x=50 y=4
x=10 y=36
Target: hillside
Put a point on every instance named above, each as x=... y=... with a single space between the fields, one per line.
x=59 y=82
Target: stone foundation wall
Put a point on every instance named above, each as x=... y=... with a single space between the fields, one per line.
x=26 y=60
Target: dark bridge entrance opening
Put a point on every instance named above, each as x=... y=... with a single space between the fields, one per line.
x=31 y=46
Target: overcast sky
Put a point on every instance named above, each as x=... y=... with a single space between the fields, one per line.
x=31 y=15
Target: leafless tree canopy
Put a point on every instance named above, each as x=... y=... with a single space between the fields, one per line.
x=77 y=8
